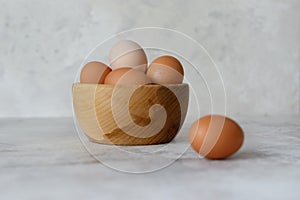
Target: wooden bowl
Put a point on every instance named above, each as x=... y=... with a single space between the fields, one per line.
x=130 y=114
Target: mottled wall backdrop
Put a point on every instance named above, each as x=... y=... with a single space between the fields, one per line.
x=255 y=43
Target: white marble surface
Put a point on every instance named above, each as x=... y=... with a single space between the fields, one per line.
x=44 y=159
x=255 y=43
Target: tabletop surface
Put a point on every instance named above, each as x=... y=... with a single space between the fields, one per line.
x=48 y=159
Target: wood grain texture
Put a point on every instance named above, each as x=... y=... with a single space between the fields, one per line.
x=84 y=107
x=130 y=114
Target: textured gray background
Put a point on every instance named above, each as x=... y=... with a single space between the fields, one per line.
x=255 y=43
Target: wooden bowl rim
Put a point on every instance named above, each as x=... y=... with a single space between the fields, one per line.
x=130 y=85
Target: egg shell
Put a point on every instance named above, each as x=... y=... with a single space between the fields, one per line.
x=127 y=53
x=216 y=137
x=127 y=76
x=94 y=73
x=166 y=70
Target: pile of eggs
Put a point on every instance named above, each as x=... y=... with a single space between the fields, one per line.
x=128 y=64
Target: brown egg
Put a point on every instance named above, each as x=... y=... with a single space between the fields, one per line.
x=94 y=73
x=166 y=70
x=127 y=76
x=216 y=137
x=127 y=53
